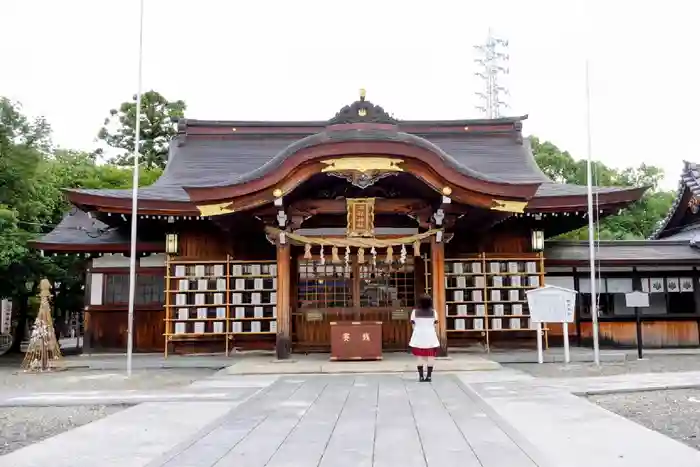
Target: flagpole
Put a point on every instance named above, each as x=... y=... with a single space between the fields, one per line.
x=591 y=231
x=134 y=204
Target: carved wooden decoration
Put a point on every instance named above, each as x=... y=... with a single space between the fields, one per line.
x=694 y=205
x=362 y=172
x=360 y=217
x=362 y=111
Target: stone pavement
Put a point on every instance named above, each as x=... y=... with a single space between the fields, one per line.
x=368 y=420
x=319 y=364
x=472 y=419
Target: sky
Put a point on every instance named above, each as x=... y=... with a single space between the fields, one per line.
x=73 y=60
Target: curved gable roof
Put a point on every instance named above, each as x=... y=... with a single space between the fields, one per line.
x=688 y=186
x=232 y=153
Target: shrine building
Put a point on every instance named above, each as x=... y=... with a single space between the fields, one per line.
x=259 y=235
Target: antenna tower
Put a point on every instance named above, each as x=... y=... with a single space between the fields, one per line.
x=492 y=62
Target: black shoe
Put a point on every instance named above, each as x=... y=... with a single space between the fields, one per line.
x=420 y=373
x=428 y=377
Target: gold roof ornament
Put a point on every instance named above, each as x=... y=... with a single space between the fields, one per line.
x=363 y=94
x=508 y=206
x=217 y=209
x=363 y=164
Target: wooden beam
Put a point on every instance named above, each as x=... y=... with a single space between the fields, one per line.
x=339 y=206
x=284 y=315
x=437 y=263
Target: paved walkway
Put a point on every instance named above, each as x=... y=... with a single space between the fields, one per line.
x=470 y=419
x=320 y=364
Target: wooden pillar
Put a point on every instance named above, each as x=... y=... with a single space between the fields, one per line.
x=284 y=315
x=437 y=263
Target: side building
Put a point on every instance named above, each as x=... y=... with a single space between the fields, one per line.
x=259 y=234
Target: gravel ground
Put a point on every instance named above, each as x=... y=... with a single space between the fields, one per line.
x=652 y=364
x=22 y=426
x=12 y=380
x=674 y=413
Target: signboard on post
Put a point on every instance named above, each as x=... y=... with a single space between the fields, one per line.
x=552 y=304
x=638 y=300
x=5 y=316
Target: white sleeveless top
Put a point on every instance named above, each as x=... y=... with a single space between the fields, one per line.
x=424 y=334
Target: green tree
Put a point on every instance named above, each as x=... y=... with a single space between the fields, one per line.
x=635 y=222
x=32 y=179
x=22 y=206
x=158 y=126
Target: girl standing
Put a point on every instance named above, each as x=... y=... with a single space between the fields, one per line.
x=424 y=341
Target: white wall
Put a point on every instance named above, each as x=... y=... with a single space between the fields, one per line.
x=111 y=261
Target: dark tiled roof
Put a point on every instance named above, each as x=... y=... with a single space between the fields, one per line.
x=218 y=162
x=690 y=179
x=690 y=233
x=565 y=189
x=78 y=228
x=78 y=232
x=632 y=251
x=483 y=157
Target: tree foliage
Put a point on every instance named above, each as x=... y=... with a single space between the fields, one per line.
x=32 y=179
x=637 y=221
x=158 y=126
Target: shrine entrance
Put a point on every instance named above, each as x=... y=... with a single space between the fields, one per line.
x=373 y=288
x=359 y=251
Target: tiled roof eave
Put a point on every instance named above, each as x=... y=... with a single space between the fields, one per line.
x=690 y=179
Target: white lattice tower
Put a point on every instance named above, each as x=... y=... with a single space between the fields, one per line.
x=492 y=63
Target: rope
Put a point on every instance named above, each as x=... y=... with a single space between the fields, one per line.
x=357 y=242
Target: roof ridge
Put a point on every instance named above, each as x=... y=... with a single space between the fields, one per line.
x=690 y=179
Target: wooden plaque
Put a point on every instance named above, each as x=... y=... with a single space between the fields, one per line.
x=314 y=315
x=399 y=315
x=360 y=217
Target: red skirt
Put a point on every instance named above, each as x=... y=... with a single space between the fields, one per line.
x=418 y=352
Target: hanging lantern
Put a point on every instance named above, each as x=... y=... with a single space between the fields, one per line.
x=537 y=240
x=416 y=248
x=361 y=256
x=171 y=244
x=307 y=251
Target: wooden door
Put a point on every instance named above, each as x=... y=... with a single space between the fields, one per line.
x=368 y=291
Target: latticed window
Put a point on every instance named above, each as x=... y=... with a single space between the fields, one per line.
x=387 y=285
x=325 y=286
x=334 y=285
x=150 y=289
